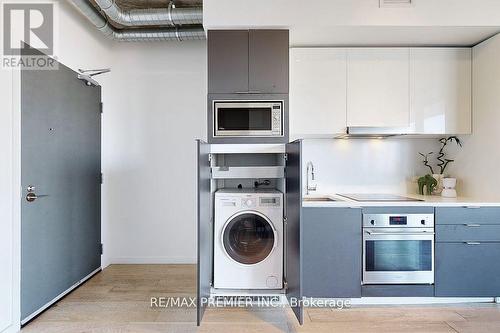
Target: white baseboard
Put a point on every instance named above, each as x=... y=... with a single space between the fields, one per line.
x=152 y=260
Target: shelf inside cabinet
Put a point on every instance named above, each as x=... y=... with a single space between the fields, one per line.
x=225 y=172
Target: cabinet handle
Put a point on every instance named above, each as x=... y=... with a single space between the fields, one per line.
x=472 y=243
x=472 y=207
x=472 y=225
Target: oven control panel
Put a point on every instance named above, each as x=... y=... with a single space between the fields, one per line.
x=398 y=220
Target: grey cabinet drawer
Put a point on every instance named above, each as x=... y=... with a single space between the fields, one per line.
x=331 y=252
x=461 y=215
x=469 y=232
x=467 y=270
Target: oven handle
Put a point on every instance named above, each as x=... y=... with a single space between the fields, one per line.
x=399 y=233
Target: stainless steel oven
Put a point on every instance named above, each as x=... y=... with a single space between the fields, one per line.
x=398 y=249
x=248 y=118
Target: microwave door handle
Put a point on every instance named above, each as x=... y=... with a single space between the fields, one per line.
x=249 y=92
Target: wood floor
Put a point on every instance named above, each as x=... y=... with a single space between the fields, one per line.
x=118 y=300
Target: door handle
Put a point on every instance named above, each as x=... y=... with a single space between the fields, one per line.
x=30 y=197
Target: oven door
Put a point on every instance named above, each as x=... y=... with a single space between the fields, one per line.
x=398 y=256
x=247 y=119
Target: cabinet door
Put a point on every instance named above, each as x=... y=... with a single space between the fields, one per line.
x=378 y=87
x=227 y=61
x=317 y=92
x=441 y=89
x=293 y=228
x=332 y=252
x=467 y=269
x=268 y=61
x=205 y=231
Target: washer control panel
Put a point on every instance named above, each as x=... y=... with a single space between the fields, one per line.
x=248 y=202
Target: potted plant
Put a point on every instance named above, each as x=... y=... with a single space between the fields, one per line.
x=447 y=183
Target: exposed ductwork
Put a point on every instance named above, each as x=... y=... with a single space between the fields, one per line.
x=146 y=17
x=133 y=35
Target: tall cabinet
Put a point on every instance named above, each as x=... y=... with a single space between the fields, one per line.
x=222 y=167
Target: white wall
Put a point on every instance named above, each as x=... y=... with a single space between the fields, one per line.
x=367 y=165
x=9 y=257
x=477 y=163
x=155 y=109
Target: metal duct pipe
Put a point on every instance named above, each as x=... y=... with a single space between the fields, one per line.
x=133 y=35
x=157 y=16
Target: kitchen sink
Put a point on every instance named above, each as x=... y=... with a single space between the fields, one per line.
x=322 y=199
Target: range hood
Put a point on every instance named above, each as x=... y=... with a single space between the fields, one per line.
x=372 y=132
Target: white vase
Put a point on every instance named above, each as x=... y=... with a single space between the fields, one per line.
x=449 y=190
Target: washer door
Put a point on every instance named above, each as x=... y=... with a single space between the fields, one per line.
x=248 y=238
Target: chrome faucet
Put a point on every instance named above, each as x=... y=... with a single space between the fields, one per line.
x=309 y=188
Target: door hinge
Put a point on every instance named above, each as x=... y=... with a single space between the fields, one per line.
x=209 y=159
x=285 y=157
x=284 y=220
x=101 y=248
x=101 y=178
x=102 y=107
x=285 y=284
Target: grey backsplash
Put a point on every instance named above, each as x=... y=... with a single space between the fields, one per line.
x=367 y=165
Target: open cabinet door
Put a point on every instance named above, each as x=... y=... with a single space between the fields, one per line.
x=293 y=214
x=204 y=230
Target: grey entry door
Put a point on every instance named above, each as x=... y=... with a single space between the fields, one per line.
x=60 y=175
x=293 y=232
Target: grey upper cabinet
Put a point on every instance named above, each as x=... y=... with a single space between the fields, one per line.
x=227 y=61
x=248 y=61
x=332 y=252
x=268 y=61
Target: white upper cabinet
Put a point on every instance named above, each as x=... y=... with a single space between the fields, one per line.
x=317 y=92
x=441 y=90
x=378 y=87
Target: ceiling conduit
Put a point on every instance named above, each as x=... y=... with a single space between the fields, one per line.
x=134 y=35
x=156 y=16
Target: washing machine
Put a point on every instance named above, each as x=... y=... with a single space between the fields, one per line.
x=248 y=239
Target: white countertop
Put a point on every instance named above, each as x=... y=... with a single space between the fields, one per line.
x=427 y=200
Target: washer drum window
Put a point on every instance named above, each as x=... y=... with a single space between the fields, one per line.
x=248 y=238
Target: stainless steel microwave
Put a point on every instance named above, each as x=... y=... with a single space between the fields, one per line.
x=248 y=119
